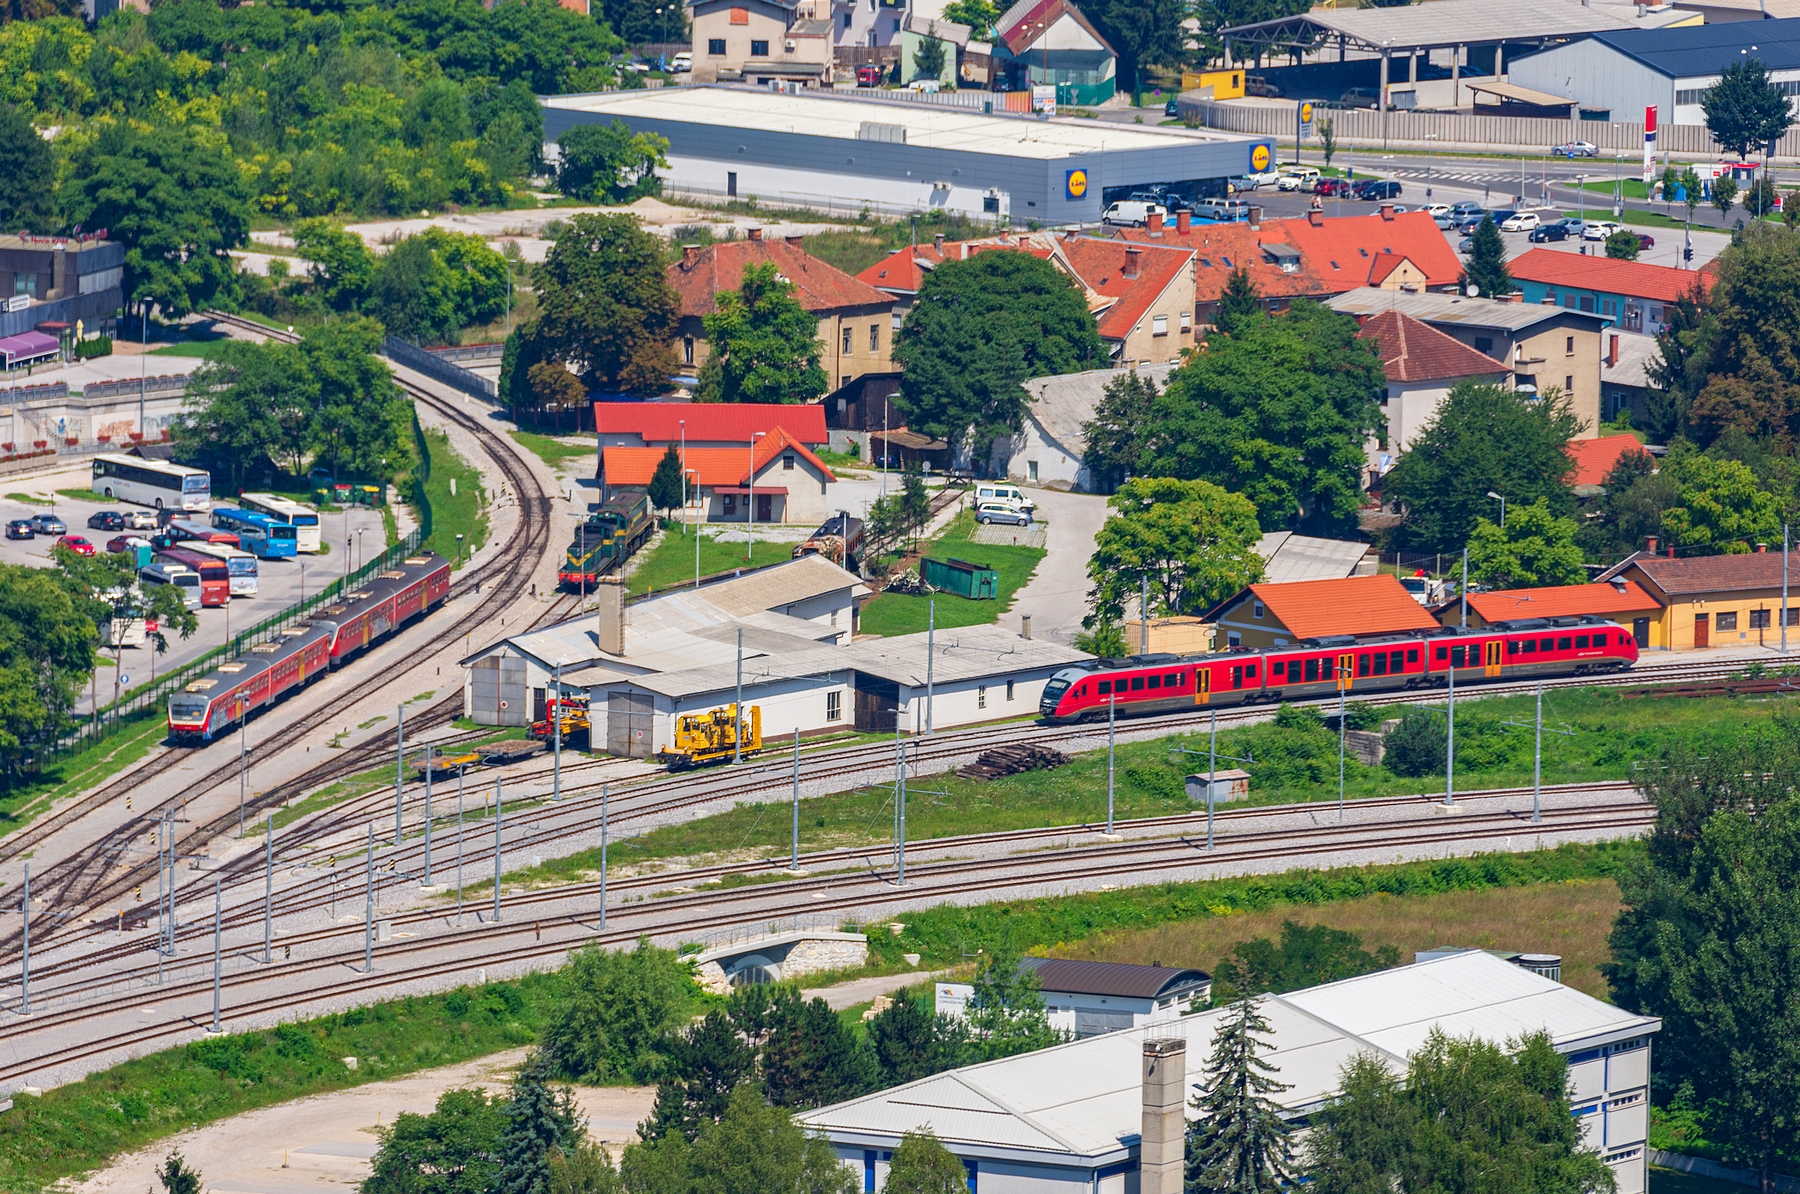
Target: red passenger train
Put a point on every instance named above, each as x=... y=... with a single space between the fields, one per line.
x=1520 y=650
x=230 y=692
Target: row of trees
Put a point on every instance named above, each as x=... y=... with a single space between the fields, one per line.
x=426 y=289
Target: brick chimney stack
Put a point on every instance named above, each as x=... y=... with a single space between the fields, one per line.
x=1612 y=349
x=1155 y=222
x=1133 y=255
x=1184 y=219
x=690 y=254
x=754 y=233
x=1316 y=218
x=1162 y=1148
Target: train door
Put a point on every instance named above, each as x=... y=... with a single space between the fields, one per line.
x=1202 y=685
x=1346 y=671
x=1237 y=675
x=1491 y=666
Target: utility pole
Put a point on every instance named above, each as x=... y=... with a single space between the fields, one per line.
x=269 y=890
x=25 y=932
x=218 y=921
x=399 y=766
x=1112 y=717
x=794 y=853
x=1537 y=756
x=737 y=709
x=1143 y=616
x=556 y=766
x=1463 y=624
x=930 y=648
x=1212 y=769
x=243 y=753
x=603 y=795
x=369 y=908
x=899 y=805
x=459 y=846
x=426 y=880
x=496 y=849
x=1450 y=736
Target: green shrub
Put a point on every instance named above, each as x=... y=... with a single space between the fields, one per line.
x=1415 y=747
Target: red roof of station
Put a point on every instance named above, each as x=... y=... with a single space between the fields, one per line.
x=714 y=466
x=661 y=422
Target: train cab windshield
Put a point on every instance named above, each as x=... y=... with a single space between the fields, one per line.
x=187 y=708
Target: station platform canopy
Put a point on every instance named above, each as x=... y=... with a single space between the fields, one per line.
x=1417 y=28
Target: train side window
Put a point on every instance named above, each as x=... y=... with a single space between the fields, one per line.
x=1546 y=644
x=1531 y=646
x=1459 y=656
x=1362 y=665
x=1581 y=640
x=1137 y=684
x=1172 y=680
x=1443 y=653
x=1412 y=656
x=1155 y=682
x=1312 y=670
x=1397 y=661
x=1562 y=643
x=1278 y=668
x=1381 y=661
x=1250 y=671
x=1105 y=687
x=1512 y=648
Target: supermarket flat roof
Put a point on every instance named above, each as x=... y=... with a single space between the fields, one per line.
x=929 y=126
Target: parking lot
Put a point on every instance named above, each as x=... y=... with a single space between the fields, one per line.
x=280 y=583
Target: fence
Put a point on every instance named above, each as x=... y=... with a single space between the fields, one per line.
x=434 y=366
x=162 y=383
x=469 y=352
x=1447 y=129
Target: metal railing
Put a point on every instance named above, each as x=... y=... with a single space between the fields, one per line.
x=435 y=366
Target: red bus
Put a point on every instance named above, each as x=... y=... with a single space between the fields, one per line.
x=215 y=575
x=180 y=529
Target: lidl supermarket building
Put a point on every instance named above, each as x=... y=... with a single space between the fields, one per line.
x=818 y=149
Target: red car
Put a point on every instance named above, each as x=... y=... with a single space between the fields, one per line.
x=1327 y=188
x=76 y=544
x=122 y=543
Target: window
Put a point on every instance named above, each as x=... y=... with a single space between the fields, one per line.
x=1395 y=664
x=834 y=706
x=874 y=337
x=847 y=340
x=1105 y=687
x=1278 y=668
x=1459 y=656
x=1312 y=670
x=1581 y=640
x=1009 y=690
x=1362 y=665
x=1759 y=619
x=1563 y=643
x=1256 y=609
x=1412 y=656
x=1793 y=617
x=1568 y=383
x=1031 y=469
x=1727 y=621
x=759 y=48
x=1484 y=344
x=715 y=46
x=1443 y=653
x=1381 y=662
x=1250 y=671
x=896 y=28
x=687 y=350
x=1512 y=648
x=846 y=20
x=730 y=504
x=1690 y=96
x=1606 y=306
x=1531 y=646
x=981 y=697
x=1233 y=639
x=1137 y=684
x=1172 y=680
x=1587 y=302
x=1156 y=681
x=1569 y=346
x=1159 y=325
x=990 y=205
x=1187 y=322
x=731 y=175
x=787 y=462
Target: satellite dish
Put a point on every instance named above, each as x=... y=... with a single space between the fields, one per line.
x=1471 y=290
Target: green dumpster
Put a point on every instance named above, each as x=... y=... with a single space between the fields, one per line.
x=977 y=582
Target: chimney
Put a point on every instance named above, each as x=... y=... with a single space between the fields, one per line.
x=1155 y=221
x=1549 y=300
x=1024 y=625
x=690 y=254
x=1255 y=220
x=794 y=241
x=1514 y=297
x=1184 y=219
x=937 y=242
x=1132 y=255
x=1650 y=545
x=1162 y=1145
x=1387 y=211
x=1316 y=218
x=1762 y=549
x=609 y=594
x=754 y=233
x=1612 y=350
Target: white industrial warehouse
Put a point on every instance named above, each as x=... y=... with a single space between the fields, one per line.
x=1075 y=1118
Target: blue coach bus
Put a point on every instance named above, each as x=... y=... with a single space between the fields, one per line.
x=258 y=533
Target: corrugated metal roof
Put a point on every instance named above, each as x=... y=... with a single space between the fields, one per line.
x=1455 y=22
x=1079 y=977
x=1696 y=51
x=1065 y=404
x=1289 y=557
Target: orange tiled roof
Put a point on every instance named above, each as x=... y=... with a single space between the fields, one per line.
x=1637 y=279
x=1505 y=605
x=1594 y=458
x=1344 y=605
x=1342 y=252
x=715 y=466
x=1414 y=351
x=661 y=422
x=702 y=274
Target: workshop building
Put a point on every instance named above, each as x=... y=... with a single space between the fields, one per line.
x=1085 y=998
x=1716 y=601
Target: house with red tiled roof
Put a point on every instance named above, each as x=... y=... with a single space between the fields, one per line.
x=1632 y=295
x=1719 y=601
x=1278 y=615
x=856 y=321
x=779 y=480
x=1052 y=42
x=1623 y=601
x=705 y=424
x=1422 y=365
x=1142 y=295
x=1594 y=458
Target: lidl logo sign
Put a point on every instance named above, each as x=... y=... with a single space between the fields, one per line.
x=1076 y=182
x=1260 y=155
x=1306 y=112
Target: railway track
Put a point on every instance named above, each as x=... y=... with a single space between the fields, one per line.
x=532 y=932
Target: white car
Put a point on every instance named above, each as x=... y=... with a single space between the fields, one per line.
x=1575 y=149
x=1525 y=221
x=1598 y=229
x=682 y=62
x=1437 y=209
x=1260 y=178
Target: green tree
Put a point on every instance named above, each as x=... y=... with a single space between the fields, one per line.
x=978 y=15
x=249 y=405
x=176 y=1177
x=666 y=484
x=431 y=286
x=362 y=420
x=1760 y=197
x=537 y=1122
x=1239 y=301
x=1470 y=1116
x=1239 y=1142
x=1327 y=140
x=915 y=501
x=706 y=1063
x=1671 y=178
x=104 y=587
x=922 y=1165
x=1744 y=109
x=753 y=1148
x=1631 y=507
x=639 y=22
x=1534 y=549
x=1194 y=542
x=1415 y=747
x=1623 y=245
x=454 y=1150
x=928 y=59
x=1677 y=375
x=1732 y=359
x=1720 y=507
x=621 y=1012
x=908 y=1042
x=762 y=344
x=1304 y=957
x=1484 y=437
x=609 y=163
x=811 y=1058
x=27 y=176
x=1119 y=433
x=174 y=198
x=340 y=265
x=1690 y=191
x=1144 y=32
x=1277 y=411
x=585 y=1169
x=1708 y=937
x=1005 y=1014
x=1486 y=270
x=979 y=329
x=604 y=304
x=1724 y=194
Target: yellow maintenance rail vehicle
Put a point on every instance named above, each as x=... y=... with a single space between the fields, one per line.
x=712 y=737
x=571 y=711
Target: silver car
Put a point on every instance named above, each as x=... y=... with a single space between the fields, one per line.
x=1006 y=515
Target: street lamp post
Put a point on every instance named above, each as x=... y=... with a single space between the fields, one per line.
x=750 y=504
x=1429 y=138
x=1502 y=502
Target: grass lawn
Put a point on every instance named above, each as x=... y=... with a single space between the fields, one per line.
x=553 y=451
x=670 y=564
x=895 y=613
x=29 y=500
x=78 y=772
x=462 y=512
x=203 y=349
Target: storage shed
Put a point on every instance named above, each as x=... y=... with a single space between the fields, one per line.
x=975 y=581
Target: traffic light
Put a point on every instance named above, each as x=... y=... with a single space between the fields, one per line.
x=1687 y=253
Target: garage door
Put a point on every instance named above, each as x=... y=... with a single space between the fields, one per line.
x=628 y=725
x=497 y=692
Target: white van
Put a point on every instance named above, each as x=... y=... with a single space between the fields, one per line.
x=1221 y=210
x=1297 y=178
x=1133 y=213
x=184 y=579
x=999 y=493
